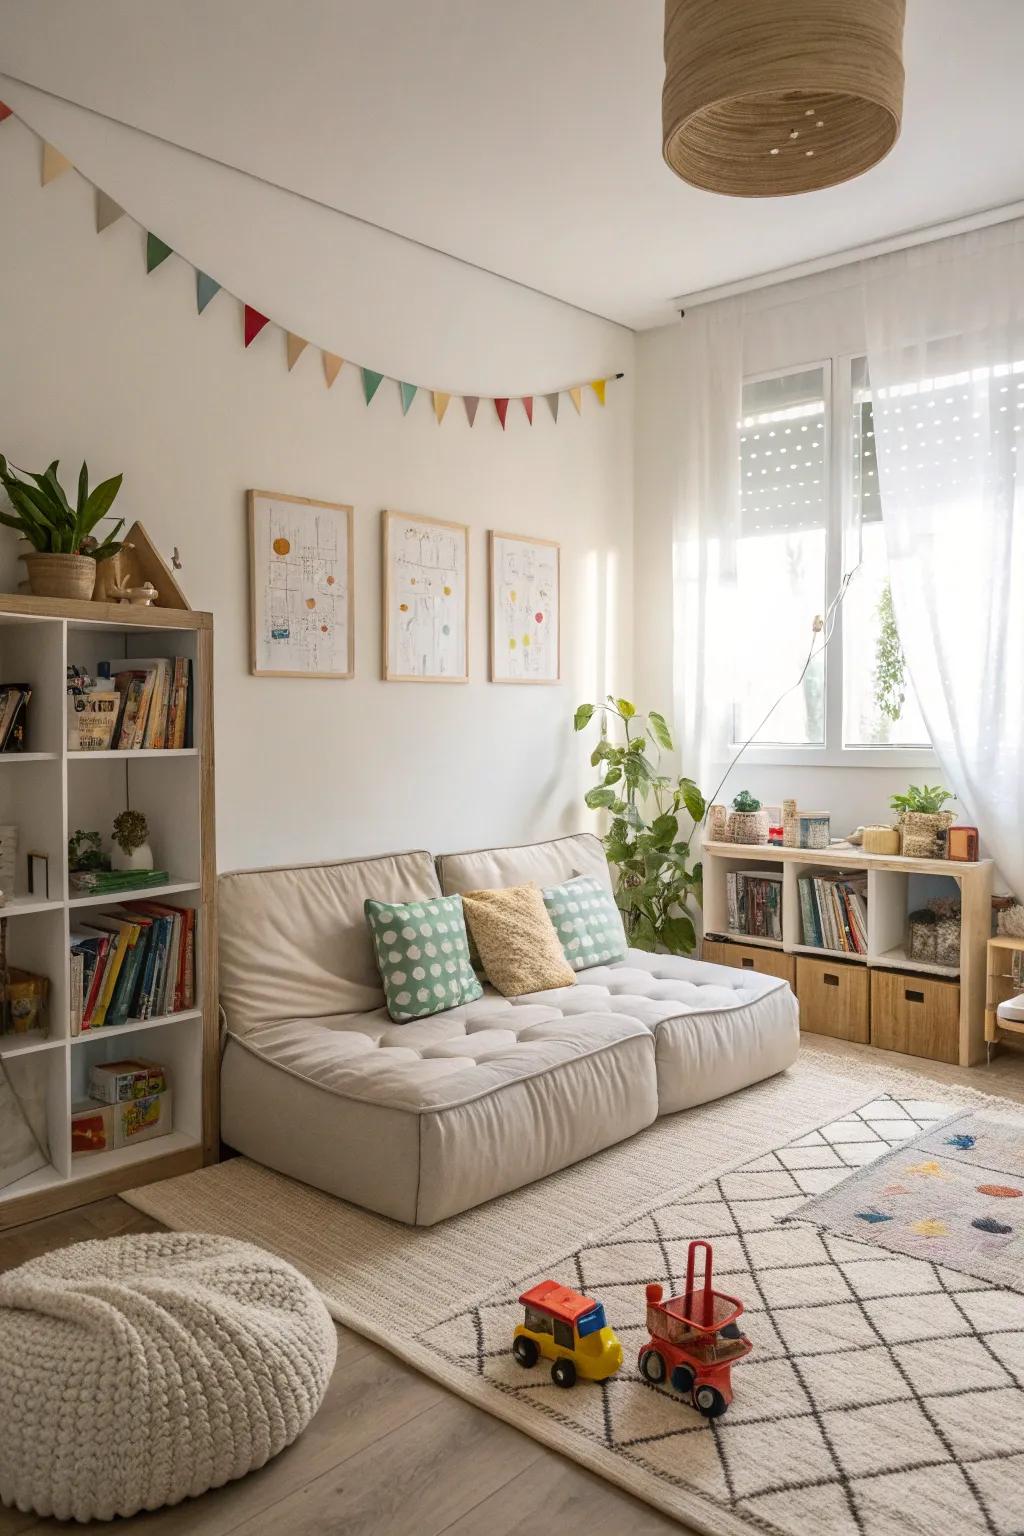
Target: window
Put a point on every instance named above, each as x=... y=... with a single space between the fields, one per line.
x=809 y=511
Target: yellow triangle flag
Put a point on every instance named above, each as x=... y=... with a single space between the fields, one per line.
x=575 y=395
x=440 y=404
x=332 y=367
x=54 y=164
x=296 y=347
x=597 y=385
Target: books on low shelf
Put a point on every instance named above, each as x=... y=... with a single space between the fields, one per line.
x=14 y=699
x=834 y=912
x=133 y=962
x=131 y=704
x=754 y=903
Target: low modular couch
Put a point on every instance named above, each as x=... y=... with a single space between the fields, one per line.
x=419 y=1121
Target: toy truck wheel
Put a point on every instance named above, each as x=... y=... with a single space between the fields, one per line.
x=563 y=1373
x=526 y=1352
x=682 y=1379
x=652 y=1366
x=709 y=1401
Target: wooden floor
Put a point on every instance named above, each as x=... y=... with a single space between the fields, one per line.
x=393 y=1454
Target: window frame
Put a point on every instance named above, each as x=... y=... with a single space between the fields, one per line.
x=837 y=372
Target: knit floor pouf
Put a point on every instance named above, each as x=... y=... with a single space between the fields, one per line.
x=140 y=1371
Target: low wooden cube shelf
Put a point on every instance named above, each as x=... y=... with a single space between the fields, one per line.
x=945 y=1020
x=49 y=792
x=999 y=988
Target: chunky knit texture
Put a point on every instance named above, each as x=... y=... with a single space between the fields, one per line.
x=140 y=1371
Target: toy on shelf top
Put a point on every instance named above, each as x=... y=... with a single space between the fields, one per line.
x=570 y=1330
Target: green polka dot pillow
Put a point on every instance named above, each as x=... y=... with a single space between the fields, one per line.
x=587 y=921
x=422 y=955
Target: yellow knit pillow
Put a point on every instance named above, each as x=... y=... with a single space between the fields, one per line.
x=516 y=938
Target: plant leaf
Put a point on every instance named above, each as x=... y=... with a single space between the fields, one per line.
x=664 y=830
x=100 y=502
x=693 y=800
x=625 y=708
x=583 y=716
x=83 y=488
x=600 y=798
x=678 y=935
x=660 y=730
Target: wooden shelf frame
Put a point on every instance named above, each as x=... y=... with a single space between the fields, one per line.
x=39 y=637
x=888 y=876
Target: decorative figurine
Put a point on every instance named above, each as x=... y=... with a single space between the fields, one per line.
x=695 y=1341
x=139 y=597
x=569 y=1330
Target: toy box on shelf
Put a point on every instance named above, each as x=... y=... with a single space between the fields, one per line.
x=130 y=1103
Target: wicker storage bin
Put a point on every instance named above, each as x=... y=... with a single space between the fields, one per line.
x=748 y=826
x=922 y=936
x=947 y=937
x=881 y=840
x=922 y=833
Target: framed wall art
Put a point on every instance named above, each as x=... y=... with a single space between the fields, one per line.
x=426 y=599
x=300 y=586
x=525 y=609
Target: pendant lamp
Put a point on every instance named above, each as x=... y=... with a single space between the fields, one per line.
x=765 y=98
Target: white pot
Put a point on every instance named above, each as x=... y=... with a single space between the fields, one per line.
x=139 y=858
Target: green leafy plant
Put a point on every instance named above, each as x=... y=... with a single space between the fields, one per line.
x=926 y=799
x=890 y=681
x=130 y=830
x=745 y=802
x=656 y=884
x=85 y=851
x=43 y=515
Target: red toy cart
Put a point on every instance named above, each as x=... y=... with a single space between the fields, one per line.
x=695 y=1341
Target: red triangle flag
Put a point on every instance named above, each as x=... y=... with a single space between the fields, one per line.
x=528 y=408
x=501 y=406
x=5 y=111
x=254 y=323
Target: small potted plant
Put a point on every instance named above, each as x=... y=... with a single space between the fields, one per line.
x=64 y=562
x=923 y=822
x=131 y=849
x=748 y=823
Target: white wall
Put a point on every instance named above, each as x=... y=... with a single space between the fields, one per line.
x=98 y=360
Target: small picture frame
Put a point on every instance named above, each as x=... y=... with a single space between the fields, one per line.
x=39 y=875
x=962 y=844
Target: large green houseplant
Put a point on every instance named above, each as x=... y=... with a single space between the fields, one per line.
x=66 y=551
x=657 y=887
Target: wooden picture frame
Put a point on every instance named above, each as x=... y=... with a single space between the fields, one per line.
x=521 y=600
x=325 y=562
x=438 y=622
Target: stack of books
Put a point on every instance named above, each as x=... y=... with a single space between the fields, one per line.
x=14 y=699
x=133 y=962
x=155 y=697
x=834 y=912
x=754 y=901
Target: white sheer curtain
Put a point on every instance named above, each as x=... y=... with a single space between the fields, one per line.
x=945 y=342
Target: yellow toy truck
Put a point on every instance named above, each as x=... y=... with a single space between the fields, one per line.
x=568 y=1329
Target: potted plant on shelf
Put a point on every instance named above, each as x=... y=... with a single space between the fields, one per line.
x=748 y=823
x=922 y=820
x=64 y=562
x=131 y=849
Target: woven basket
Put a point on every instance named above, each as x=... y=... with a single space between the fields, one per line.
x=881 y=840
x=61 y=575
x=921 y=833
x=748 y=826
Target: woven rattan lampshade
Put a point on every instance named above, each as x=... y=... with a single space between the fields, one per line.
x=764 y=98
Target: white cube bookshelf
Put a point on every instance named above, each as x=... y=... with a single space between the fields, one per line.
x=896 y=886
x=48 y=792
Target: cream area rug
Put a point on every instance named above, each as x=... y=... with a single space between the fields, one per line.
x=883 y=1396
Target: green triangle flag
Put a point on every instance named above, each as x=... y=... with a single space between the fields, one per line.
x=156 y=252
x=205 y=290
x=408 y=396
x=371 y=383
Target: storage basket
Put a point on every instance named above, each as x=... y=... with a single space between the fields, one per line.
x=748 y=826
x=881 y=840
x=922 y=833
x=922 y=945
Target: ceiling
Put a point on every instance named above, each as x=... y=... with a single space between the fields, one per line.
x=522 y=137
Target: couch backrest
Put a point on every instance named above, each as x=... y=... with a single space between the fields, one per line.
x=294 y=943
x=548 y=863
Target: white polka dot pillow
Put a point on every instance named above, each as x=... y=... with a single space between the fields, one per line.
x=587 y=921
x=422 y=955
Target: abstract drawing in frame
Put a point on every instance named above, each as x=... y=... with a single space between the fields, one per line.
x=300 y=585
x=426 y=599
x=525 y=609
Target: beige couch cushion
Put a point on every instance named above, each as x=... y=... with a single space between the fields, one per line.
x=294 y=942
x=488 y=869
x=516 y=940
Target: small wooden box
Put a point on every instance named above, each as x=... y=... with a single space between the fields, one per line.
x=750 y=957
x=834 y=999
x=919 y=1015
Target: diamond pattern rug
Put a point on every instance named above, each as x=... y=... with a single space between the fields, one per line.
x=884 y=1395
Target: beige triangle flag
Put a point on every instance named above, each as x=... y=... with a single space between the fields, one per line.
x=296 y=346
x=332 y=367
x=440 y=404
x=107 y=211
x=576 y=394
x=54 y=163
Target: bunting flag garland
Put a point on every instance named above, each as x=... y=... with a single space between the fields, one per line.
x=295 y=346
x=253 y=324
x=206 y=289
x=371 y=383
x=157 y=250
x=109 y=212
x=54 y=164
